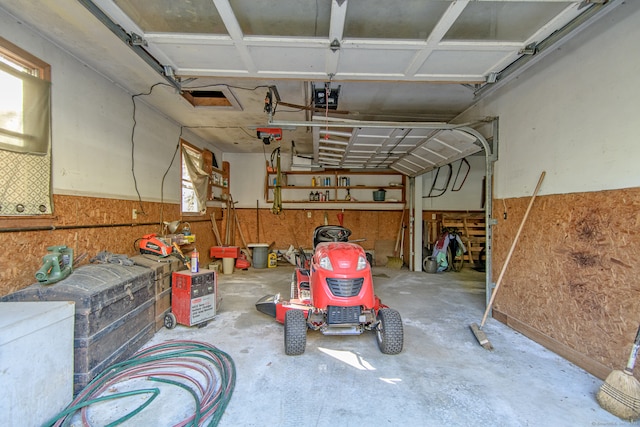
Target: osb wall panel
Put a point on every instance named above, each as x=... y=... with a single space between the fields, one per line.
x=574 y=274
x=295 y=226
x=22 y=251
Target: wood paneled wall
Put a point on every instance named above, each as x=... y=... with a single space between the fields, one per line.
x=572 y=283
x=295 y=226
x=22 y=251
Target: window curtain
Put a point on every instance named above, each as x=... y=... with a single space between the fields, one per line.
x=25 y=144
x=25 y=113
x=198 y=176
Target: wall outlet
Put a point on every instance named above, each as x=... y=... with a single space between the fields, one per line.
x=134 y=214
x=308 y=214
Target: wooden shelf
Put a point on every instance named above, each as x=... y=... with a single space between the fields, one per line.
x=296 y=186
x=217 y=180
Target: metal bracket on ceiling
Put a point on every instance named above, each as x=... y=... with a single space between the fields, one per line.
x=492 y=77
x=530 y=49
x=168 y=71
x=335 y=45
x=136 y=40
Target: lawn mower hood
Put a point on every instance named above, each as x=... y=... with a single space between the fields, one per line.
x=341 y=276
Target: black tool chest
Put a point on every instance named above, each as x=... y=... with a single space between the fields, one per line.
x=115 y=311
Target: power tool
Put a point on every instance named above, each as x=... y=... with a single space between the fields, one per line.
x=151 y=244
x=56 y=265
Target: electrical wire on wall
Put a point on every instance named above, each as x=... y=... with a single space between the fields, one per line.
x=133 y=132
x=135 y=123
x=165 y=175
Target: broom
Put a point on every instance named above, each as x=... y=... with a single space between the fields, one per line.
x=620 y=393
x=477 y=330
x=396 y=261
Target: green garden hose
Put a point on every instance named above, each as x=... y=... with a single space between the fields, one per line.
x=171 y=359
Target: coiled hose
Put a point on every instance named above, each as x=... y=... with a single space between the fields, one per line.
x=185 y=361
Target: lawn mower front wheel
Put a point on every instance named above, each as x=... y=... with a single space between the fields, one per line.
x=389 y=333
x=295 y=333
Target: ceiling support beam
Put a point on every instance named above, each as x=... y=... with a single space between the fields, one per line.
x=441 y=28
x=235 y=32
x=336 y=33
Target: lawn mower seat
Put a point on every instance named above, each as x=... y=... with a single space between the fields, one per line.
x=330 y=233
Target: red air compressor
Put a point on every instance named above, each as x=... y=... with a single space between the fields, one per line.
x=193 y=298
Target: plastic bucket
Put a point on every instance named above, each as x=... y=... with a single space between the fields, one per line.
x=378 y=195
x=227 y=265
x=260 y=254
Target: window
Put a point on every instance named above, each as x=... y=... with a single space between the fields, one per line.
x=195 y=173
x=25 y=133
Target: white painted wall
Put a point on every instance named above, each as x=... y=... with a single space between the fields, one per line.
x=247 y=178
x=575 y=114
x=92 y=121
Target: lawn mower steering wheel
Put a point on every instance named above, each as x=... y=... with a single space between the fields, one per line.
x=334 y=234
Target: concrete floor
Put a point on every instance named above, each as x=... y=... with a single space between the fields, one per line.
x=443 y=377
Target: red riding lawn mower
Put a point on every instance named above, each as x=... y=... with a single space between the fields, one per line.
x=333 y=293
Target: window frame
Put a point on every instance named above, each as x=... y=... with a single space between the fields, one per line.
x=22 y=57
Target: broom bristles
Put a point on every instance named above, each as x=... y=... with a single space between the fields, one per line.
x=394 y=262
x=620 y=395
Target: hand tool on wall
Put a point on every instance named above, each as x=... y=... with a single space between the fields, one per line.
x=620 y=393
x=477 y=330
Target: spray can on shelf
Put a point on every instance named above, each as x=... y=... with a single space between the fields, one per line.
x=195 y=267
